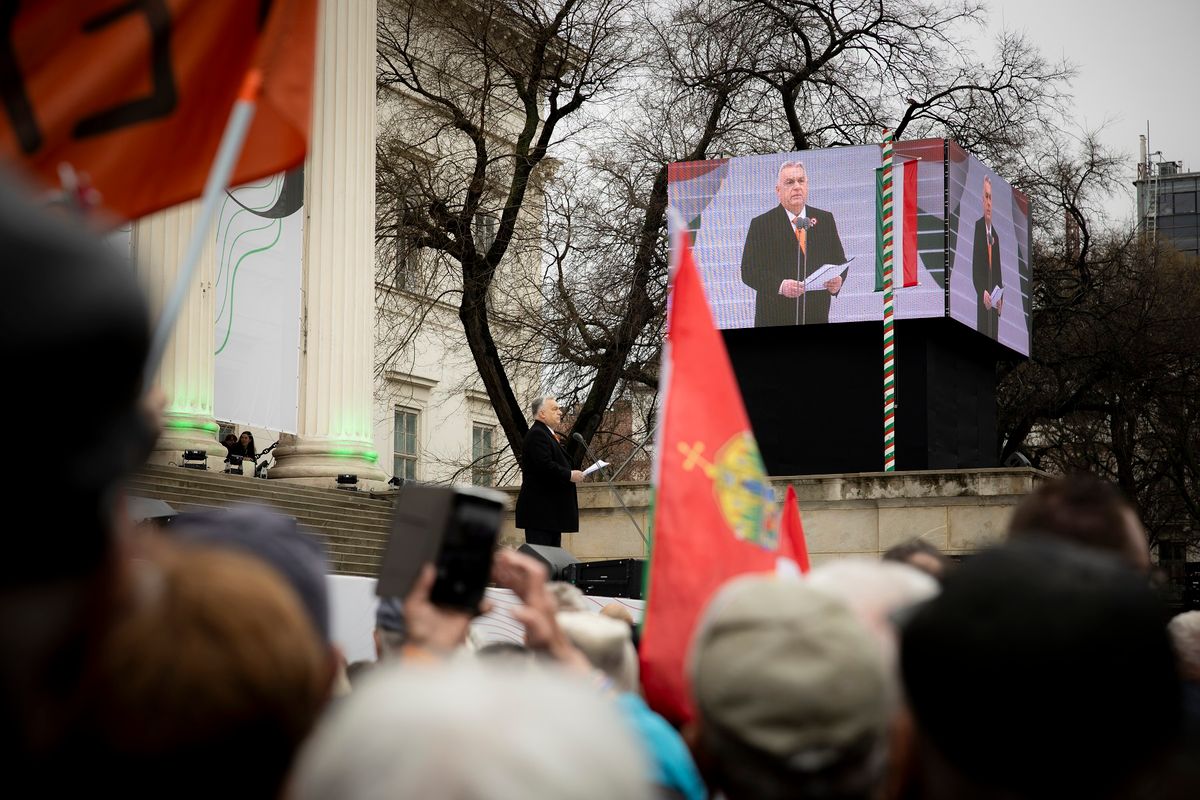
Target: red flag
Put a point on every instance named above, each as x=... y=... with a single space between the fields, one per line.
x=137 y=94
x=793 y=529
x=715 y=514
x=908 y=234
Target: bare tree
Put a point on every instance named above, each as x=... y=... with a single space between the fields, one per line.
x=485 y=87
x=1113 y=381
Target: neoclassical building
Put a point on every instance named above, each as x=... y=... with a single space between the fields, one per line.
x=334 y=432
x=362 y=404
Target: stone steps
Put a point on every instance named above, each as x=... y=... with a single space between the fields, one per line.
x=353 y=526
x=366 y=520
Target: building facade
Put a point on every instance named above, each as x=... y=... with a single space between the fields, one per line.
x=1166 y=204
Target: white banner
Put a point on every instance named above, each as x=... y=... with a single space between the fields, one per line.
x=352 y=604
x=256 y=311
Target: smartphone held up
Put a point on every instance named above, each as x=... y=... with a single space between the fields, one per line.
x=456 y=529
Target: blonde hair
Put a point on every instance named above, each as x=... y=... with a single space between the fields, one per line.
x=220 y=661
x=606 y=643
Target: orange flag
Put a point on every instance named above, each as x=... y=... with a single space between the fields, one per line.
x=715 y=514
x=137 y=94
x=793 y=529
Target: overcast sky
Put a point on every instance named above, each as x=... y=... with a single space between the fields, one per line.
x=1137 y=62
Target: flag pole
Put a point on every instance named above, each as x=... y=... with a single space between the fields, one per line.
x=889 y=343
x=218 y=181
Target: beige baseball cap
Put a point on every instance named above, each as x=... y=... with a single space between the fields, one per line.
x=788 y=671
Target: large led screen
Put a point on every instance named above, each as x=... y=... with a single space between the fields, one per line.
x=795 y=238
x=989 y=246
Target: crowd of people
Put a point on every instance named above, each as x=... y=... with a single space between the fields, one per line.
x=198 y=661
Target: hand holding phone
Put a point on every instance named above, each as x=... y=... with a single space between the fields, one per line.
x=453 y=528
x=433 y=628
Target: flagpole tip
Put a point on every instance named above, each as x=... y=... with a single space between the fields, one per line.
x=250 y=85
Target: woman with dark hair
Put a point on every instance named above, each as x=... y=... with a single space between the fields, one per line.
x=245 y=446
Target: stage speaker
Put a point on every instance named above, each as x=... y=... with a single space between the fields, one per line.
x=619 y=577
x=556 y=559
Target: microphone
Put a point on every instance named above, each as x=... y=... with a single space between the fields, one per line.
x=577 y=436
x=802 y=223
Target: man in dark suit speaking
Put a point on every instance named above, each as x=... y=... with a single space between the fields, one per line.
x=547 y=506
x=786 y=245
x=985 y=269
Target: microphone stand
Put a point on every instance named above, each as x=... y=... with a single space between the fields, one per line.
x=801 y=265
x=625 y=463
x=577 y=436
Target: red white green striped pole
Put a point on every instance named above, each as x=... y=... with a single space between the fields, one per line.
x=889 y=343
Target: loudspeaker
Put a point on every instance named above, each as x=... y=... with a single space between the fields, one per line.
x=556 y=559
x=619 y=577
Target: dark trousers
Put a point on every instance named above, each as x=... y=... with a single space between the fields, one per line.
x=538 y=536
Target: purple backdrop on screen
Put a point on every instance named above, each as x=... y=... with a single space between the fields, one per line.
x=718 y=199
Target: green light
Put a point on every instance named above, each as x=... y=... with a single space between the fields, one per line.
x=354 y=452
x=184 y=424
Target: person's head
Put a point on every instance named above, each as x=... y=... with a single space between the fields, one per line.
x=987 y=200
x=220 y=665
x=74 y=320
x=791 y=694
x=882 y=594
x=1185 y=634
x=921 y=555
x=1085 y=510
x=791 y=187
x=1042 y=670
x=467 y=732
x=391 y=628
x=877 y=592
x=606 y=643
x=275 y=539
x=546 y=410
x=230 y=440
x=246 y=440
x=567 y=596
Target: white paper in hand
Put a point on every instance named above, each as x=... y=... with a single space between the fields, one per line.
x=816 y=281
x=594 y=468
x=997 y=296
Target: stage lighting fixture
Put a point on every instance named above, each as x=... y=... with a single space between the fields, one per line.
x=195 y=459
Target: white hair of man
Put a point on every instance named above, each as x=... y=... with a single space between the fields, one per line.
x=568 y=596
x=875 y=591
x=536 y=405
x=606 y=643
x=790 y=165
x=1185 y=635
x=468 y=733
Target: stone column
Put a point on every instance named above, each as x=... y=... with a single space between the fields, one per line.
x=336 y=369
x=186 y=373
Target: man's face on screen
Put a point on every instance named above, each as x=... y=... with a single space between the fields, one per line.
x=987 y=202
x=792 y=189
